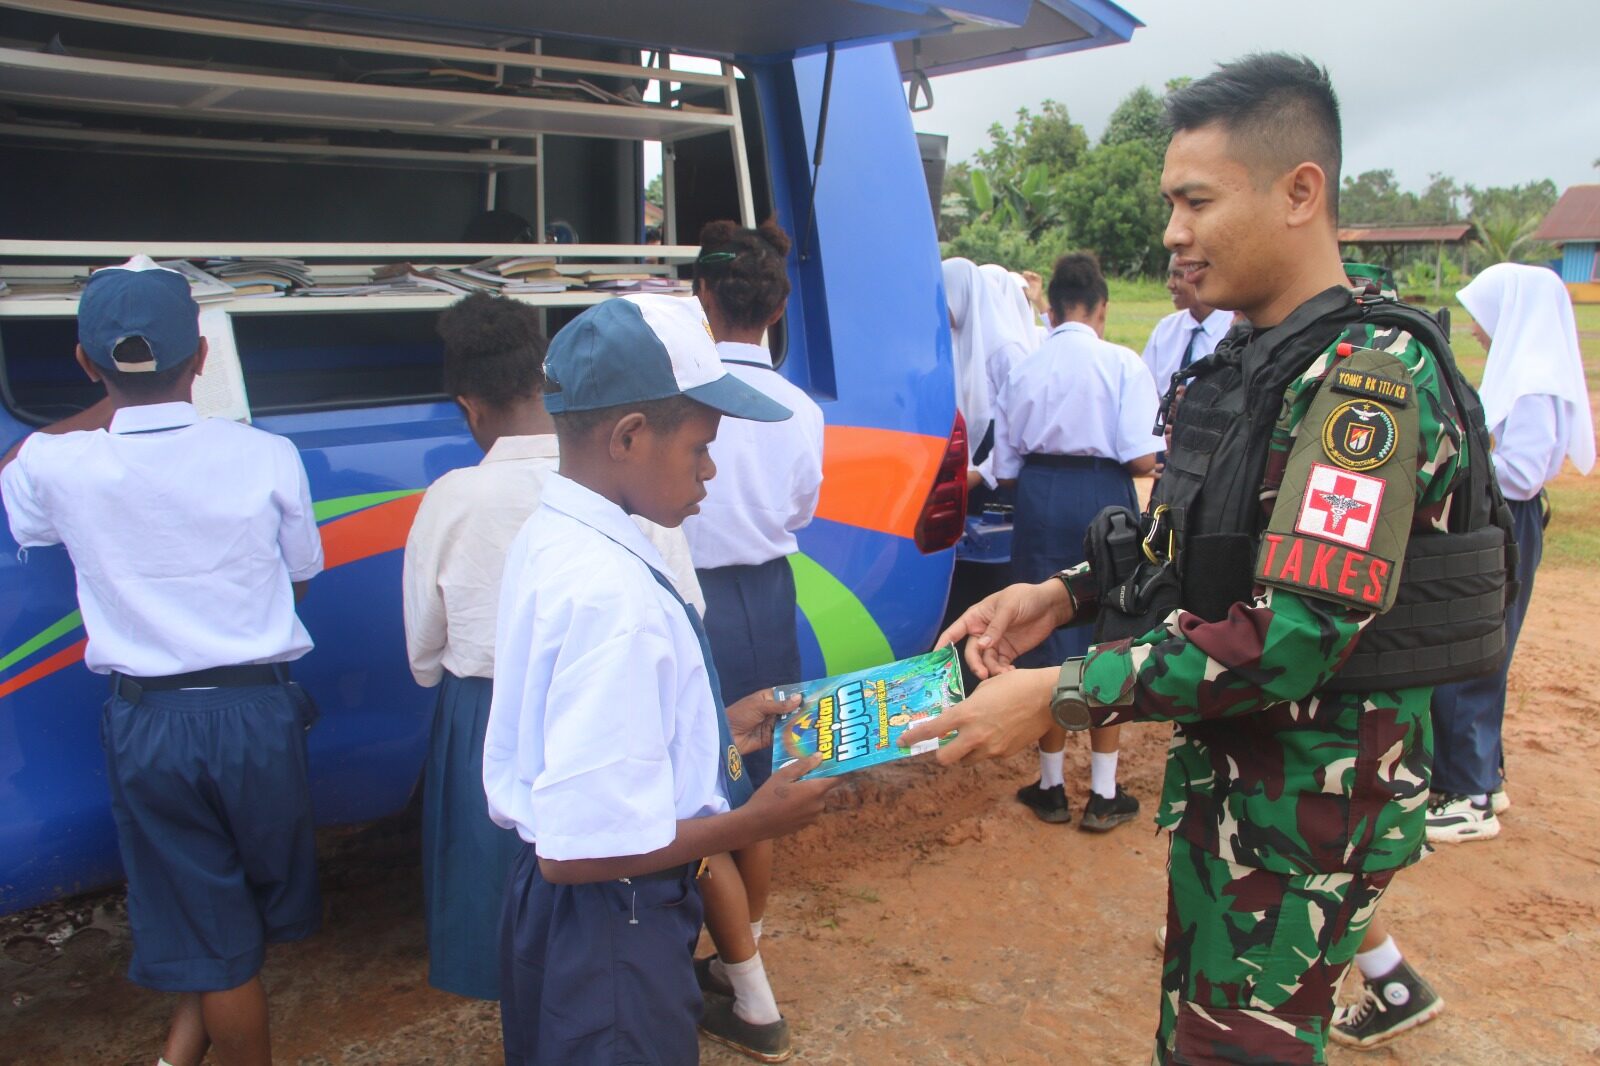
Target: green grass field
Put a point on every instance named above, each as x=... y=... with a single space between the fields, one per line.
x=1574 y=535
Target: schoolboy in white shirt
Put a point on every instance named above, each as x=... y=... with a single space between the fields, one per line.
x=607 y=747
x=191 y=540
x=1186 y=336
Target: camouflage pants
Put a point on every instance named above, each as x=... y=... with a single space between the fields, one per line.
x=1254 y=958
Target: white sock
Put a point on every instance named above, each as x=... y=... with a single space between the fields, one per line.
x=1103 y=773
x=752 y=995
x=1050 y=763
x=161 y=1060
x=755 y=930
x=1380 y=960
x=1479 y=799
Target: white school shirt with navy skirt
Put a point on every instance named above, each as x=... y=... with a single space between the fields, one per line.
x=454 y=559
x=187 y=536
x=603 y=734
x=1070 y=416
x=769 y=477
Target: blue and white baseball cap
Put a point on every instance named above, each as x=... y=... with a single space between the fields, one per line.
x=138 y=299
x=646 y=347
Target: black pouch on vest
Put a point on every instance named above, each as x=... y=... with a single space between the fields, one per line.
x=1135 y=593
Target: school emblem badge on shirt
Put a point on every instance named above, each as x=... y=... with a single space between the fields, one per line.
x=1341 y=506
x=735 y=764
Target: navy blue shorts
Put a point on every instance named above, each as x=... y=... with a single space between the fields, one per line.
x=754 y=635
x=600 y=973
x=208 y=789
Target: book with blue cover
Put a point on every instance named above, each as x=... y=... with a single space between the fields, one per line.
x=855 y=719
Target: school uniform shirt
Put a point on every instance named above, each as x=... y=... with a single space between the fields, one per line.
x=768 y=473
x=1076 y=395
x=185 y=534
x=456 y=552
x=603 y=732
x=1530 y=445
x=1172 y=337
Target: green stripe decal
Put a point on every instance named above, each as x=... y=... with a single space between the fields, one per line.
x=848 y=635
x=343 y=505
x=61 y=628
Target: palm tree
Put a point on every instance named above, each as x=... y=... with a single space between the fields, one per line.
x=1504 y=236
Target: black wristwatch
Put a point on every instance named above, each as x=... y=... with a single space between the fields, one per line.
x=1068 y=706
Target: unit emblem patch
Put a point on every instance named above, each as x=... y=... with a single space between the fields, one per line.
x=1340 y=506
x=1359 y=435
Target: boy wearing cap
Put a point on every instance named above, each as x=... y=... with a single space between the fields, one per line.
x=190 y=539
x=608 y=750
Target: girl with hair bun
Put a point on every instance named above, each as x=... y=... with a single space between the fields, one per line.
x=768 y=478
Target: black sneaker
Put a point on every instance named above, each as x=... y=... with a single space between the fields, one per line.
x=708 y=979
x=1050 y=804
x=764 y=1043
x=1101 y=814
x=1389 y=1005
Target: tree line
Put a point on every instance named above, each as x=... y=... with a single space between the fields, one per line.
x=1042 y=188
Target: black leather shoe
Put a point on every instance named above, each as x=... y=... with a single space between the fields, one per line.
x=764 y=1043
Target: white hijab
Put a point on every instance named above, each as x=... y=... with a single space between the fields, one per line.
x=975 y=333
x=1010 y=294
x=1533 y=349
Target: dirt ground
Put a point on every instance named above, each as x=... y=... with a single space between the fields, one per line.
x=932 y=920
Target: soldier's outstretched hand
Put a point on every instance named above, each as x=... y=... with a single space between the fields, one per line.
x=1001 y=717
x=1007 y=623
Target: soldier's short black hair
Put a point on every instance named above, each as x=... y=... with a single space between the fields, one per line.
x=1076 y=281
x=493 y=349
x=1280 y=110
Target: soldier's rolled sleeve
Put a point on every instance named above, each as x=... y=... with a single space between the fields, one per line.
x=1281 y=647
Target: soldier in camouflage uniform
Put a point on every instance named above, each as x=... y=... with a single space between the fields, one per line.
x=1291 y=805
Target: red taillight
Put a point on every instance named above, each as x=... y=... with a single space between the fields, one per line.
x=944 y=513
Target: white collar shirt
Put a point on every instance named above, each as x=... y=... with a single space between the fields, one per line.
x=603 y=730
x=1075 y=395
x=456 y=552
x=1163 y=353
x=769 y=474
x=1530 y=446
x=185 y=535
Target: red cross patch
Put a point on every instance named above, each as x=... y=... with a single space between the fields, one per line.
x=1341 y=506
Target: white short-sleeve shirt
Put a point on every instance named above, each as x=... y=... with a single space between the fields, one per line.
x=1075 y=395
x=769 y=474
x=1163 y=353
x=603 y=730
x=186 y=535
x=456 y=552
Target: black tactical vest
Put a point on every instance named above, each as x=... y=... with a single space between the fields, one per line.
x=1448 y=621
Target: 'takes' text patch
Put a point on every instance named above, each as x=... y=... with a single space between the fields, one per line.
x=1330 y=571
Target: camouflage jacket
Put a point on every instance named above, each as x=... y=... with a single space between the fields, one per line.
x=1264 y=769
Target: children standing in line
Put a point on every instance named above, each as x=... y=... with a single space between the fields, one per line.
x=191 y=540
x=1073 y=425
x=607 y=749
x=494 y=367
x=768 y=479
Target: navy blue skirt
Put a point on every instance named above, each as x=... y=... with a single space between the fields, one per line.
x=1055 y=504
x=466 y=858
x=754 y=635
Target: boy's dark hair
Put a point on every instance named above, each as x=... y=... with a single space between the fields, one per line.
x=744 y=269
x=1077 y=282
x=493 y=349
x=144 y=387
x=1279 y=111
x=664 y=416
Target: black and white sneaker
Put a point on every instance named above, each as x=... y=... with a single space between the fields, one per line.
x=1398 y=1001
x=1049 y=804
x=1499 y=800
x=1453 y=819
x=1101 y=814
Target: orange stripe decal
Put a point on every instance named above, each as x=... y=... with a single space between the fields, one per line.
x=370 y=532
x=878 y=479
x=59 y=661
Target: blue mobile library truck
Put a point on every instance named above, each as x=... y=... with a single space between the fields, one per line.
x=349 y=136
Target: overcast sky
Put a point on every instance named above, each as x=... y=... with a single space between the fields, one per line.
x=1489 y=92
